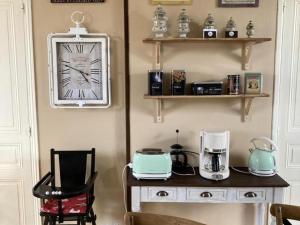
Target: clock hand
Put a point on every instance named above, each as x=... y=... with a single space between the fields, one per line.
x=81 y=72
x=77 y=70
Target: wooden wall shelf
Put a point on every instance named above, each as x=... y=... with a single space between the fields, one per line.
x=232 y=40
x=246 y=46
x=205 y=96
x=246 y=102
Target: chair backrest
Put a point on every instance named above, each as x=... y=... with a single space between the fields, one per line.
x=72 y=167
x=132 y=218
x=284 y=212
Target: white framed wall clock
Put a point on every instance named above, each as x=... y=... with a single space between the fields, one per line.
x=79 y=68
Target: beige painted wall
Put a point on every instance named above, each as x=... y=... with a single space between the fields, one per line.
x=202 y=62
x=84 y=129
x=104 y=129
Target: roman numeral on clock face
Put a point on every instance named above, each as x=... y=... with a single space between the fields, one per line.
x=92 y=48
x=68 y=48
x=65 y=71
x=68 y=94
x=94 y=80
x=79 y=48
x=95 y=61
x=67 y=62
x=95 y=94
x=95 y=71
x=66 y=81
x=81 y=93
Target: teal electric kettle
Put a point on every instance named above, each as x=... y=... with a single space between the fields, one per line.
x=262 y=161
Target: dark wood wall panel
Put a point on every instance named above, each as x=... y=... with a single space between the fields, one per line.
x=127 y=91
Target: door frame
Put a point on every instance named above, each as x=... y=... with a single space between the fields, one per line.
x=34 y=146
x=277 y=77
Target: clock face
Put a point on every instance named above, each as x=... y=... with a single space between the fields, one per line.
x=79 y=71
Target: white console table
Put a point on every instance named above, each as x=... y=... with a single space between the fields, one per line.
x=238 y=188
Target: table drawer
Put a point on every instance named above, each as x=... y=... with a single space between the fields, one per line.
x=206 y=195
x=251 y=195
x=159 y=194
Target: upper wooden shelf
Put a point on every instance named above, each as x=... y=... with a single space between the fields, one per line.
x=225 y=40
x=263 y=95
x=246 y=46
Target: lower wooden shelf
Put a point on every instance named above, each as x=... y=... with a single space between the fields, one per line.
x=246 y=102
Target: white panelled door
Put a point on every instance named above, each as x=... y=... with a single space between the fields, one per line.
x=17 y=171
x=287 y=103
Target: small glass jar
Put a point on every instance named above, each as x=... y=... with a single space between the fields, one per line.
x=250 y=29
x=183 y=24
x=160 y=22
x=209 y=22
x=231 y=26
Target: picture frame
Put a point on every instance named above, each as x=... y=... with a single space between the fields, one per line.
x=253 y=83
x=77 y=1
x=238 y=3
x=171 y=2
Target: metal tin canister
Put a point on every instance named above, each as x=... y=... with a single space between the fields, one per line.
x=234 y=84
x=178 y=81
x=155 y=82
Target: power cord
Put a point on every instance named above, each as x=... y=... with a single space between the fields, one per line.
x=239 y=171
x=123 y=184
x=186 y=174
x=195 y=153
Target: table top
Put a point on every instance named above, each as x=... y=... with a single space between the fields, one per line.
x=235 y=179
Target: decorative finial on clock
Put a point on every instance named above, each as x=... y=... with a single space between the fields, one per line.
x=77 y=18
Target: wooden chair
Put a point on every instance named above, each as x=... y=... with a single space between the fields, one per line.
x=132 y=218
x=74 y=198
x=285 y=212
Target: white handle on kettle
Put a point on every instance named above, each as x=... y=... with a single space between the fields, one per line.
x=265 y=139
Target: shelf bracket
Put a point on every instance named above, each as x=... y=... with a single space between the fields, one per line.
x=246 y=106
x=158 y=113
x=246 y=55
x=158 y=63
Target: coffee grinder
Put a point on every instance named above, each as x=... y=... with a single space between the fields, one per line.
x=214 y=155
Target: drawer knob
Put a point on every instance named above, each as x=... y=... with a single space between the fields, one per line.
x=162 y=194
x=206 y=195
x=250 y=195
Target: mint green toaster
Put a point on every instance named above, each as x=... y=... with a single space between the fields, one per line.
x=152 y=164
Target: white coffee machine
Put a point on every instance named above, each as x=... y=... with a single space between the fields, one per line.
x=214 y=155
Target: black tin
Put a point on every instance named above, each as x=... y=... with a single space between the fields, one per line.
x=155 y=82
x=207 y=88
x=178 y=81
x=234 y=84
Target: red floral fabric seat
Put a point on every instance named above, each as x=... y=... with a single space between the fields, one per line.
x=72 y=205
